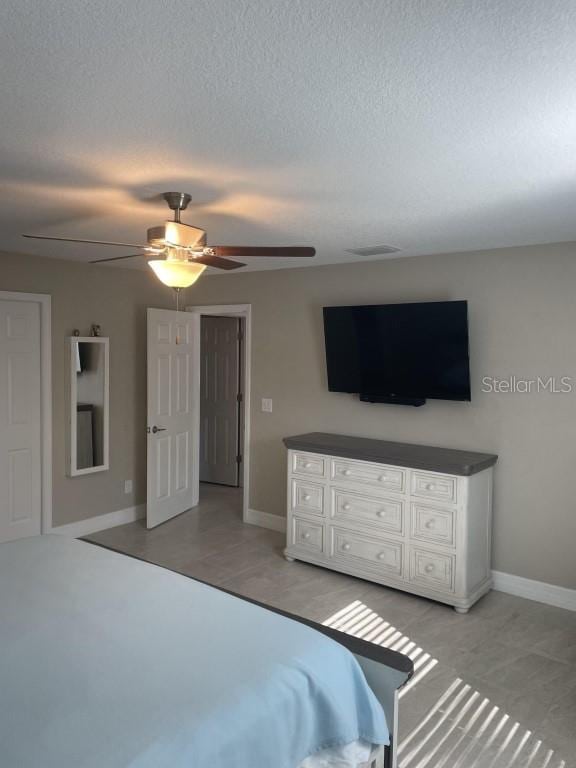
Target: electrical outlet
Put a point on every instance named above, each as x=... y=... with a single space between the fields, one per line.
x=266 y=405
x=127 y=486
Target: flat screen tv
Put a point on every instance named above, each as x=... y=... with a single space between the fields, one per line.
x=399 y=353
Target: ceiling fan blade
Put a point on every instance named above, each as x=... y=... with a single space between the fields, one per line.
x=219 y=263
x=247 y=250
x=76 y=240
x=117 y=258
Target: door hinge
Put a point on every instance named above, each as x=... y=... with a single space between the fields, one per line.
x=239 y=397
x=239 y=459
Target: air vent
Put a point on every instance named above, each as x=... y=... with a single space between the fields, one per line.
x=373 y=250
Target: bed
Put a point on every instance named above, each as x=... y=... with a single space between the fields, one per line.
x=108 y=661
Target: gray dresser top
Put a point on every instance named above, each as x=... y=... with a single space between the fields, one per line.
x=447 y=460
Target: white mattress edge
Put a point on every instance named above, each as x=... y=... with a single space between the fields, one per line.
x=356 y=754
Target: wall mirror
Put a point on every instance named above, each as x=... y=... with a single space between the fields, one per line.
x=89 y=404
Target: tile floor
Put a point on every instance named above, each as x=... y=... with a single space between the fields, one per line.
x=493 y=689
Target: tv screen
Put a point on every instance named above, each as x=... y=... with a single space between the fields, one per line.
x=399 y=350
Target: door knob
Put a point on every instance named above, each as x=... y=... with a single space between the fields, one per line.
x=157 y=429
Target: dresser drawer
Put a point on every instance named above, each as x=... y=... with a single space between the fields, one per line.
x=355 y=547
x=308 y=464
x=433 y=524
x=438 y=487
x=307 y=497
x=307 y=534
x=432 y=569
x=385 y=514
x=364 y=473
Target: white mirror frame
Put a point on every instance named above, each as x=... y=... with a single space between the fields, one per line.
x=73 y=447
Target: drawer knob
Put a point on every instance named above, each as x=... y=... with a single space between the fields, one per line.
x=346 y=507
x=428 y=568
x=430 y=487
x=381 y=555
x=306 y=497
x=346 y=546
x=381 y=513
x=306 y=535
x=346 y=472
x=383 y=478
x=430 y=523
x=307 y=465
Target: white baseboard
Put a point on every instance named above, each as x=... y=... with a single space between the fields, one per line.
x=265 y=520
x=550 y=594
x=101 y=522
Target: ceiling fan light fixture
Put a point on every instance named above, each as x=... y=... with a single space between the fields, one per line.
x=176 y=273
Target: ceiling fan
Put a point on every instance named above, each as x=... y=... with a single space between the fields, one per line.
x=184 y=250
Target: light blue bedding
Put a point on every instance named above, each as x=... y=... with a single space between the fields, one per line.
x=108 y=662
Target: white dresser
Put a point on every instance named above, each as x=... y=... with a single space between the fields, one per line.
x=412 y=517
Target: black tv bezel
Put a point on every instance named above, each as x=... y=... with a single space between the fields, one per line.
x=407 y=398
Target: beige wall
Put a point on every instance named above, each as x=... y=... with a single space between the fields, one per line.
x=522 y=322
x=117 y=299
x=522 y=305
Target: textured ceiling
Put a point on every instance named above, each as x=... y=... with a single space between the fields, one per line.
x=430 y=125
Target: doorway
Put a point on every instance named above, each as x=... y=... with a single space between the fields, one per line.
x=221 y=379
x=25 y=415
x=223 y=458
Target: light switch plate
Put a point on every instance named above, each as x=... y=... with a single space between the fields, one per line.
x=267 y=405
x=127 y=486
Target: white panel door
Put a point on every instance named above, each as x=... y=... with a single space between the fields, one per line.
x=219 y=406
x=20 y=420
x=172 y=414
